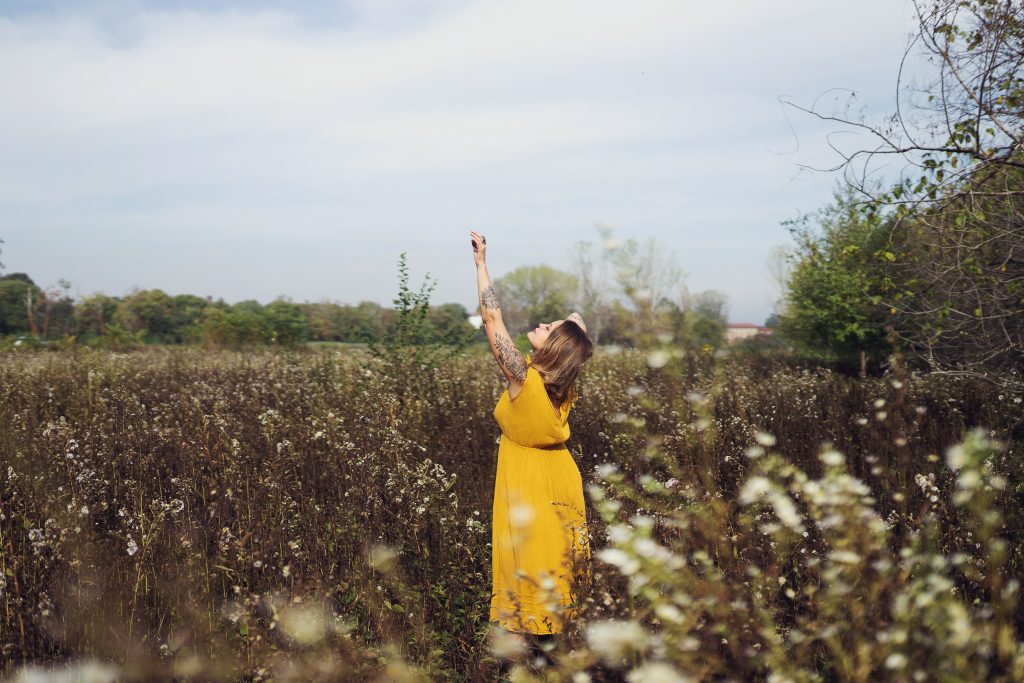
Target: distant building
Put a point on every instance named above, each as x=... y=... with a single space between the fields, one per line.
x=737 y=331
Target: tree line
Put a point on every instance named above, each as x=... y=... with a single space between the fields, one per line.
x=154 y=316
x=630 y=293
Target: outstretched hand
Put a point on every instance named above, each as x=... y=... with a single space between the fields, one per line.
x=479 y=246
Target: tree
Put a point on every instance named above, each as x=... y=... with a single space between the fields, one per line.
x=955 y=285
x=451 y=324
x=147 y=310
x=647 y=275
x=366 y=322
x=705 y=318
x=55 y=310
x=186 y=316
x=93 y=313
x=778 y=265
x=284 y=323
x=531 y=295
x=234 y=326
x=965 y=123
x=324 y=320
x=590 y=265
x=832 y=308
x=954 y=261
x=15 y=291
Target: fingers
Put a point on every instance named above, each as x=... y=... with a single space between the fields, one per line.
x=478 y=240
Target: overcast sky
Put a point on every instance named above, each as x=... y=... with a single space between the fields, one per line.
x=249 y=150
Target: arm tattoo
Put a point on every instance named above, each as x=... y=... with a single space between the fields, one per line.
x=510 y=358
x=488 y=299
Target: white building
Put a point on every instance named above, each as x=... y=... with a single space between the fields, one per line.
x=737 y=331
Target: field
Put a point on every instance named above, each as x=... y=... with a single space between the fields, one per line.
x=321 y=515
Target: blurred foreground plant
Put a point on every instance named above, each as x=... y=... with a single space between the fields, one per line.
x=802 y=580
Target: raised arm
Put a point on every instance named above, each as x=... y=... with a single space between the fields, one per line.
x=510 y=359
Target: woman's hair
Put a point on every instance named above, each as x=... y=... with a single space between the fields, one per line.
x=560 y=358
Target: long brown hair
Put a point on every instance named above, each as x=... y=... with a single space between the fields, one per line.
x=559 y=360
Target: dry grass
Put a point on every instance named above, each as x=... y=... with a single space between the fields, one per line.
x=256 y=516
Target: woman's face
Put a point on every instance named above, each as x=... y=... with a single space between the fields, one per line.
x=540 y=334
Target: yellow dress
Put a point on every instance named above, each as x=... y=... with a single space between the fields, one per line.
x=539 y=522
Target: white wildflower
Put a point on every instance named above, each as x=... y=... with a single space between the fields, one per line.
x=626 y=563
x=668 y=612
x=844 y=556
x=305 y=623
x=969 y=479
x=86 y=671
x=956 y=457
x=832 y=458
x=506 y=644
x=754 y=488
x=614 y=639
x=896 y=660
x=786 y=511
x=521 y=515
x=657 y=359
x=656 y=672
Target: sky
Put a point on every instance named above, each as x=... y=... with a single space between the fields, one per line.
x=258 y=149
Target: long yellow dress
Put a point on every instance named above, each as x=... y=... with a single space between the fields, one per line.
x=539 y=524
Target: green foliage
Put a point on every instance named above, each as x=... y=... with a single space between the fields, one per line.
x=956 y=283
x=832 y=308
x=362 y=323
x=412 y=350
x=14 y=288
x=187 y=311
x=451 y=325
x=950 y=269
x=704 y=322
x=235 y=326
x=116 y=338
x=977 y=97
x=21 y=342
x=531 y=295
x=149 y=311
x=285 y=323
x=93 y=313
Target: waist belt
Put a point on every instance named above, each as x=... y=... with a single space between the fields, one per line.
x=552 y=447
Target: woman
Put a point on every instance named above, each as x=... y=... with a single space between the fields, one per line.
x=538 y=534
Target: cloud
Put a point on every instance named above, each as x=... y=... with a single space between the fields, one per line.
x=332 y=126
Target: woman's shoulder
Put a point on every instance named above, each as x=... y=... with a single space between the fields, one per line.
x=531 y=380
x=532 y=370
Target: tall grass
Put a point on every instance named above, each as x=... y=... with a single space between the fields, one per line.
x=306 y=516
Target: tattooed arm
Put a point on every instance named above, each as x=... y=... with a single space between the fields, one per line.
x=510 y=359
